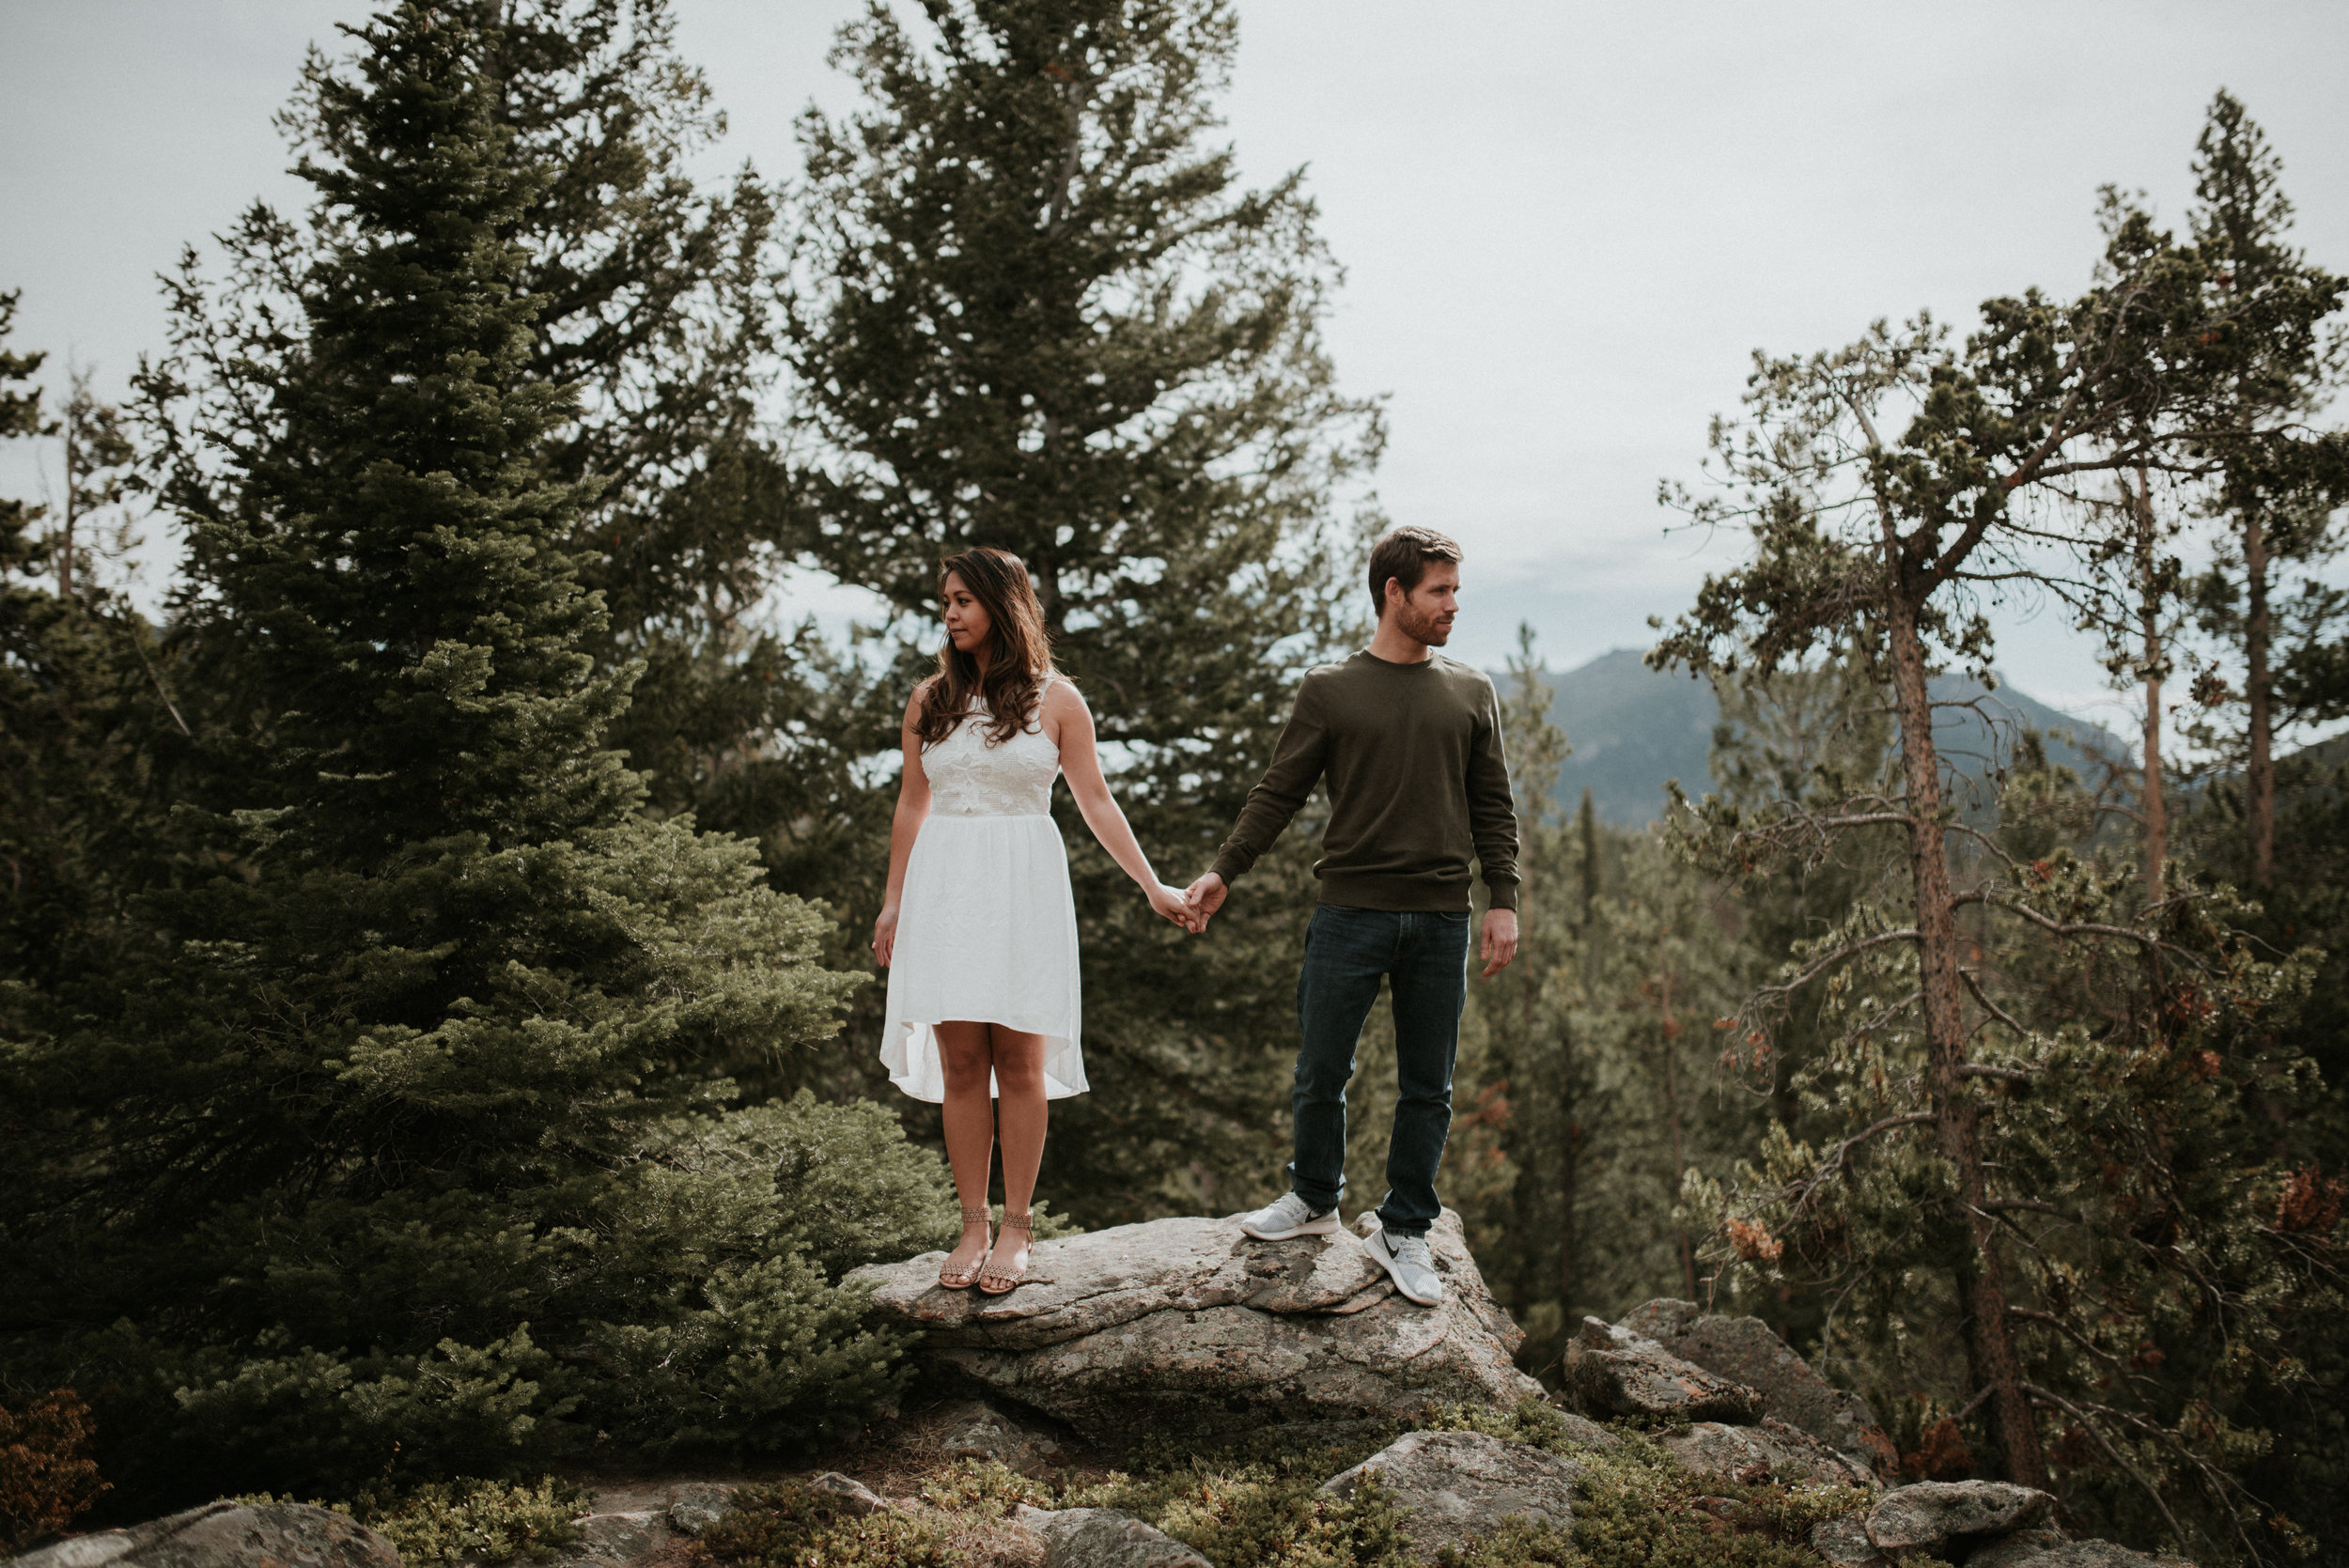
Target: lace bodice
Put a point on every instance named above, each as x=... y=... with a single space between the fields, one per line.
x=970 y=776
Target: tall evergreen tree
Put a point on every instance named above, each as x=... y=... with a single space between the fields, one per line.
x=1868 y=531
x=2001 y=1027
x=1032 y=307
x=2273 y=364
x=1530 y=1244
x=400 y=1152
x=652 y=308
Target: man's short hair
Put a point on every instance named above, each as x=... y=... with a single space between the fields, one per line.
x=1403 y=554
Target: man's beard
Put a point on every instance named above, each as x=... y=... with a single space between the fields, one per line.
x=1429 y=629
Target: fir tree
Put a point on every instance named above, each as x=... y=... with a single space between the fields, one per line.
x=2272 y=364
x=399 y=1153
x=1987 y=996
x=1032 y=307
x=651 y=308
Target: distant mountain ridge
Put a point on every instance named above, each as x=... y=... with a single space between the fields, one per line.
x=1633 y=729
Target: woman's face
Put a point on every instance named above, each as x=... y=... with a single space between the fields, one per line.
x=967 y=622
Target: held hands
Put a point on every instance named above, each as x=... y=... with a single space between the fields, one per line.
x=1498 y=943
x=1176 y=906
x=1206 y=896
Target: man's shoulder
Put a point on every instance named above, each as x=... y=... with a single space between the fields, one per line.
x=1335 y=670
x=1465 y=674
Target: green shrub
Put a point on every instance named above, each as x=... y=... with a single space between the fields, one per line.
x=1257 y=1503
x=789 y=1527
x=480 y=1521
x=467 y=1521
x=987 y=1487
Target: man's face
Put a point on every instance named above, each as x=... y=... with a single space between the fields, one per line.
x=1424 y=614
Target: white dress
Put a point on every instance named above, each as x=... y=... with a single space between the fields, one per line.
x=987 y=928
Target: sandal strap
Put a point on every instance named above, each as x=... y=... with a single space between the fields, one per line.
x=1024 y=1223
x=977 y=1215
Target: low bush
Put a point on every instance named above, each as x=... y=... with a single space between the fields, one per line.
x=47 y=1476
x=472 y=1521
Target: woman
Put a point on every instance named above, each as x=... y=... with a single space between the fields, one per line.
x=977 y=930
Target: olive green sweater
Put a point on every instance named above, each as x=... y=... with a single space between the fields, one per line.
x=1418 y=784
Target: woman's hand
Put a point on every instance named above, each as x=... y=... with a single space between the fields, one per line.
x=885 y=935
x=1170 y=902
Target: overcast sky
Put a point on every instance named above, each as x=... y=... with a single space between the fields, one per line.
x=1566 y=225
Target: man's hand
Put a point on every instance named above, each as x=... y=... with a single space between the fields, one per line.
x=1206 y=895
x=1498 y=943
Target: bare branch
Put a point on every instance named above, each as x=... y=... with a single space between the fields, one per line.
x=2177 y=1532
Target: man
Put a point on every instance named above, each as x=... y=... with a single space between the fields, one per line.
x=1410 y=741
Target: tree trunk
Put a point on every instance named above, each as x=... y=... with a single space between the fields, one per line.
x=1957 y=1114
x=73 y=495
x=1587 y=824
x=2152 y=804
x=2259 y=782
x=1669 y=1030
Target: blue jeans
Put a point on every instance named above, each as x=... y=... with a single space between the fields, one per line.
x=1424 y=955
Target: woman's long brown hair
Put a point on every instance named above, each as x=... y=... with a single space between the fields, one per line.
x=1019 y=652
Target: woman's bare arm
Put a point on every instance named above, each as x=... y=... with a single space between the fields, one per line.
x=1069 y=721
x=914 y=808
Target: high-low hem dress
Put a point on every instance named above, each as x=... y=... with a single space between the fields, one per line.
x=986 y=927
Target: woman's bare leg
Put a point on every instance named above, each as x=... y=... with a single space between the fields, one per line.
x=968 y=1115
x=1022 y=1110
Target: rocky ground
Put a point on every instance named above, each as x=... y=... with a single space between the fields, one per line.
x=1675 y=1427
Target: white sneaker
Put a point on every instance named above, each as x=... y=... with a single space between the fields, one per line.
x=1407 y=1261
x=1290 y=1217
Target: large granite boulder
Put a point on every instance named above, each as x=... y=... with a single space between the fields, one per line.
x=1768 y=1451
x=1927 y=1517
x=1189 y=1327
x=1105 y=1538
x=1451 y=1487
x=2052 y=1548
x=1613 y=1372
x=1745 y=1350
x=226 y=1534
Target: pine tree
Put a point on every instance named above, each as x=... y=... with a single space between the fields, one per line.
x=84 y=716
x=2042 y=1189
x=1866 y=530
x=1031 y=307
x=1529 y=1243
x=652 y=307
x=2278 y=484
x=399 y=1151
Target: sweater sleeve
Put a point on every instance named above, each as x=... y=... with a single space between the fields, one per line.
x=1492 y=811
x=1282 y=793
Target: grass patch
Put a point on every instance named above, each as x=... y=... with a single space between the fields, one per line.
x=468 y=1521
x=789 y=1526
x=1257 y=1502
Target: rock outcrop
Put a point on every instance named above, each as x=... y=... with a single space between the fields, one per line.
x=2052 y=1548
x=1745 y=1350
x=849 y=1493
x=1613 y=1372
x=1187 y=1327
x=975 y=1430
x=1982 y=1523
x=226 y=1535
x=1770 y=1450
x=1454 y=1485
x=1926 y=1517
x=696 y=1505
x=1105 y=1538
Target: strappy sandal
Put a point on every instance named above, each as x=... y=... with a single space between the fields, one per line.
x=1025 y=1225
x=962 y=1279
